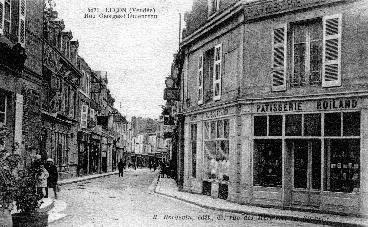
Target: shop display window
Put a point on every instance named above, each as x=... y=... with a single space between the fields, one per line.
x=216 y=146
x=268 y=163
x=342 y=161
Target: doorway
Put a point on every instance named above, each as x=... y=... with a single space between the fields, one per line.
x=305 y=171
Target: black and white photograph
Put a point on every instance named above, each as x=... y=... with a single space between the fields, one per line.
x=119 y=113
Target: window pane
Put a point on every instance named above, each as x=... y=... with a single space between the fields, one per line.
x=217 y=89
x=333 y=124
x=351 y=124
x=275 y=127
x=2 y=118
x=299 y=64
x=206 y=130
x=316 y=164
x=315 y=29
x=267 y=163
x=299 y=33
x=342 y=165
x=220 y=129
x=260 y=126
x=2 y=103
x=217 y=70
x=293 y=125
x=300 y=163
x=213 y=130
x=194 y=149
x=312 y=124
x=315 y=62
x=226 y=128
x=210 y=158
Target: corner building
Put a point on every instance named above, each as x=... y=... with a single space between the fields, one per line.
x=275 y=103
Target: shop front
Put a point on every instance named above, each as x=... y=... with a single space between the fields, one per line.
x=83 y=152
x=305 y=153
x=210 y=149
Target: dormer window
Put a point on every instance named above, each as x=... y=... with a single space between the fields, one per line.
x=213 y=6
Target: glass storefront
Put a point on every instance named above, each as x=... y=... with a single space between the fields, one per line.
x=306 y=136
x=216 y=149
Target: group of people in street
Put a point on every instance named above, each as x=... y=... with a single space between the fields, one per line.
x=153 y=164
x=46 y=176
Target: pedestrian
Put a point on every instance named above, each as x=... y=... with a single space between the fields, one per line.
x=121 y=168
x=163 y=168
x=42 y=180
x=150 y=164
x=154 y=165
x=53 y=177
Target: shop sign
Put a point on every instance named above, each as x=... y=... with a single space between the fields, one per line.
x=216 y=113
x=337 y=104
x=279 y=107
x=297 y=106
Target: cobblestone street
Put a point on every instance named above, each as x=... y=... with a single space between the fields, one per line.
x=127 y=201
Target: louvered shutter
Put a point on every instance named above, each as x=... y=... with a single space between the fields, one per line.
x=331 y=69
x=1 y=17
x=200 y=79
x=217 y=72
x=22 y=25
x=279 y=51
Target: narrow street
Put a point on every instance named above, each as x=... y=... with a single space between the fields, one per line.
x=127 y=201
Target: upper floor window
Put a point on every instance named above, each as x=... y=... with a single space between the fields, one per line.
x=209 y=75
x=2 y=109
x=315 y=53
x=85 y=83
x=22 y=19
x=84 y=116
x=307 y=53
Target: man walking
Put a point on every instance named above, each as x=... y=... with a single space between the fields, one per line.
x=53 y=177
x=121 y=168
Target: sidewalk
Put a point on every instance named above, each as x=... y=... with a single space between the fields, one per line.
x=167 y=187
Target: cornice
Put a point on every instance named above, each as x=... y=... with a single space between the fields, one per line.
x=255 y=10
x=249 y=101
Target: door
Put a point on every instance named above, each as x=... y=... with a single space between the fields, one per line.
x=306 y=171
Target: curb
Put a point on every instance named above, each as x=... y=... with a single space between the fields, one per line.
x=48 y=208
x=90 y=177
x=263 y=215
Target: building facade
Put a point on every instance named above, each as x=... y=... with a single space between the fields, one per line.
x=274 y=98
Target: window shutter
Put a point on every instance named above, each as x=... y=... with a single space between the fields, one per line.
x=217 y=72
x=1 y=17
x=22 y=25
x=279 y=43
x=200 y=79
x=331 y=69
